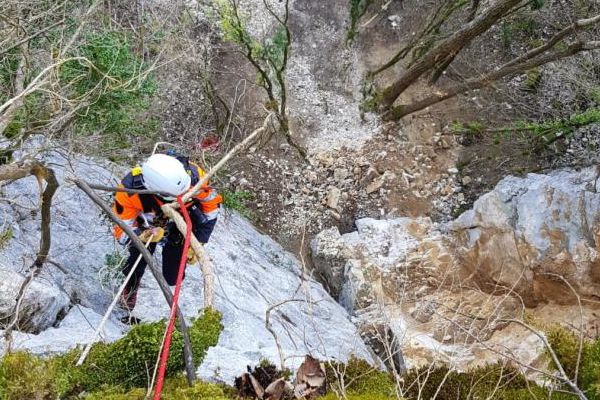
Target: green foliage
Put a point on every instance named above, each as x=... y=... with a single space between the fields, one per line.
x=5 y=236
x=233 y=26
x=237 y=200
x=115 y=87
x=549 y=130
x=267 y=56
x=359 y=378
x=274 y=48
x=545 y=131
x=566 y=347
x=31 y=110
x=357 y=10
x=111 y=369
x=234 y=29
x=114 y=260
x=533 y=78
x=469 y=128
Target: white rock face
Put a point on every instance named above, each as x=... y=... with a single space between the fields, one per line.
x=535 y=234
x=446 y=291
x=42 y=304
x=80 y=241
x=253 y=274
x=77 y=327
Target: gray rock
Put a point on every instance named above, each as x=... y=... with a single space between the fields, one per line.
x=42 y=304
x=252 y=273
x=375 y=185
x=333 y=198
x=339 y=174
x=536 y=235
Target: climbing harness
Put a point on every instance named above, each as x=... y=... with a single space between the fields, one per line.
x=164 y=355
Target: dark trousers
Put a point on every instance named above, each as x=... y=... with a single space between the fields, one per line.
x=172 y=250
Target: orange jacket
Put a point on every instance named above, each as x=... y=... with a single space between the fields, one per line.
x=135 y=209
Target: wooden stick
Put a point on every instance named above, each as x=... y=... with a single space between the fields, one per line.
x=87 y=349
x=170 y=211
x=154 y=268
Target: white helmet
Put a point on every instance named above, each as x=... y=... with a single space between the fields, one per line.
x=165 y=174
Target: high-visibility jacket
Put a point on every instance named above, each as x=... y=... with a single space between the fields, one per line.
x=137 y=209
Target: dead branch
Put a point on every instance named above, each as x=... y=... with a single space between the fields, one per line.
x=31 y=37
x=203 y=258
x=453 y=44
x=270 y=329
x=154 y=268
x=11 y=106
x=17 y=171
x=487 y=79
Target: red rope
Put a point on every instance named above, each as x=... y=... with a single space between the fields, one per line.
x=164 y=356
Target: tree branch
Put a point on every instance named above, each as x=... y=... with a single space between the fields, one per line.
x=486 y=80
x=154 y=268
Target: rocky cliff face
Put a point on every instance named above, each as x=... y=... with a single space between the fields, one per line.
x=253 y=274
x=537 y=235
x=450 y=291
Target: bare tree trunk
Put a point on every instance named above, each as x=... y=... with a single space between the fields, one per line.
x=487 y=79
x=452 y=45
x=441 y=15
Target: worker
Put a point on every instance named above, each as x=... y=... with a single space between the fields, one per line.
x=171 y=176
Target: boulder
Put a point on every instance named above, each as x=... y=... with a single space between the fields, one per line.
x=538 y=235
x=41 y=307
x=449 y=291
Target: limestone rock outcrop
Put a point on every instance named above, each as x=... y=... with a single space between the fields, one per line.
x=450 y=291
x=537 y=235
x=253 y=274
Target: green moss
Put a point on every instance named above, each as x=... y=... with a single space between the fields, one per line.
x=128 y=361
x=23 y=376
x=477 y=383
x=174 y=389
x=5 y=236
x=566 y=347
x=111 y=369
x=359 y=377
x=533 y=78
